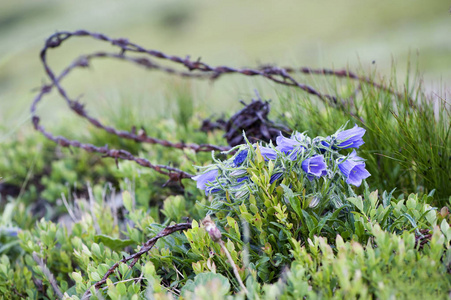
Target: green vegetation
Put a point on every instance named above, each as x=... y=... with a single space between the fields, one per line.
x=67 y=216
x=407 y=143
x=380 y=242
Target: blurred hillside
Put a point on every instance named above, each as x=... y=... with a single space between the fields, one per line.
x=237 y=33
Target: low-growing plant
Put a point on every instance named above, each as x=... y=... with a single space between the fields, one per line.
x=372 y=263
x=291 y=219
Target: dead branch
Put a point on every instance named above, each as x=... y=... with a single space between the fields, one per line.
x=45 y=270
x=146 y=247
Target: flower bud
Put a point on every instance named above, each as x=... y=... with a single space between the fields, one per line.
x=238 y=172
x=444 y=212
x=241 y=194
x=315 y=201
x=212 y=230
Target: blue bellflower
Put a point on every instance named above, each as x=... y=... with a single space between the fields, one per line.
x=241 y=179
x=354 y=169
x=314 y=166
x=351 y=138
x=286 y=145
x=240 y=157
x=205 y=178
x=290 y=146
x=275 y=177
x=268 y=153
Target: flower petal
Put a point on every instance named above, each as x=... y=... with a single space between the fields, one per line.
x=268 y=153
x=315 y=166
x=285 y=145
x=240 y=157
x=353 y=168
x=357 y=174
x=351 y=138
x=205 y=178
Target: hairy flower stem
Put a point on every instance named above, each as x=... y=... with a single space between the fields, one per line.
x=235 y=269
x=216 y=235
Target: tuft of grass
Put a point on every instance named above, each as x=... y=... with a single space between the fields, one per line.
x=407 y=142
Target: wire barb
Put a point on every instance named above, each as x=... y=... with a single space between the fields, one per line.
x=196 y=69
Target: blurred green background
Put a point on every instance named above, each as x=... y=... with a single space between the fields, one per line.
x=333 y=34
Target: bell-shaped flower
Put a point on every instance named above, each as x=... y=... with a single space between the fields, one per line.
x=238 y=172
x=353 y=168
x=351 y=138
x=240 y=157
x=268 y=153
x=314 y=166
x=275 y=177
x=290 y=146
x=286 y=145
x=314 y=202
x=203 y=179
x=212 y=230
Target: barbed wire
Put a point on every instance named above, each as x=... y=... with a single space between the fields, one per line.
x=195 y=69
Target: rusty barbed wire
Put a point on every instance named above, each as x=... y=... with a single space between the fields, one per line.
x=77 y=107
x=195 y=69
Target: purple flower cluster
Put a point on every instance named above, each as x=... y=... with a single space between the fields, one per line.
x=290 y=146
x=299 y=146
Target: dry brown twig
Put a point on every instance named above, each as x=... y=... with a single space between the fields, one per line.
x=45 y=270
x=146 y=247
x=195 y=69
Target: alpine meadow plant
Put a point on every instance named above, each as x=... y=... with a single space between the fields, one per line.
x=318 y=163
x=287 y=195
x=284 y=193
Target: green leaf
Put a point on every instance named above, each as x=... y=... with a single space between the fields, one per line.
x=321 y=223
x=309 y=220
x=77 y=277
x=95 y=249
x=444 y=226
x=386 y=198
x=127 y=200
x=113 y=243
x=204 y=279
x=357 y=201
x=95 y=276
x=294 y=201
x=411 y=220
x=359 y=229
x=121 y=288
